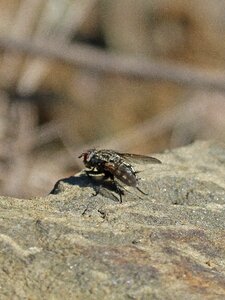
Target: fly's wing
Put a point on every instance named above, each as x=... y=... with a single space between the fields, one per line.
x=140 y=159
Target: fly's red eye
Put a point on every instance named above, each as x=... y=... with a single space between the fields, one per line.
x=87 y=155
x=84 y=155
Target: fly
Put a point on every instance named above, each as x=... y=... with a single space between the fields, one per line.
x=117 y=165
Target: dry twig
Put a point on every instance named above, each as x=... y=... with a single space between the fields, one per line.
x=101 y=61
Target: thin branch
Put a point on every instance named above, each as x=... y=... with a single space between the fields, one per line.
x=69 y=18
x=102 y=61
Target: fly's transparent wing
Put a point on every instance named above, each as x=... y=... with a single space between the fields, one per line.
x=140 y=159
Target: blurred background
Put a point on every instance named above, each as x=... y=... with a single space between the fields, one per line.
x=136 y=76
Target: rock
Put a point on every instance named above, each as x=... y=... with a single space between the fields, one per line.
x=168 y=244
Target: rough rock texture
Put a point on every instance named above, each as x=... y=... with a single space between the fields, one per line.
x=167 y=245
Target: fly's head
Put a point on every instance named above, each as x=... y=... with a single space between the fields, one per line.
x=88 y=158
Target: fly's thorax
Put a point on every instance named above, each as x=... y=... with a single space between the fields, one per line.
x=99 y=157
x=108 y=156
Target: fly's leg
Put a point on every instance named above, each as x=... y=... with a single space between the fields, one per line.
x=97 y=190
x=85 y=210
x=120 y=187
x=138 y=187
x=107 y=175
x=90 y=173
x=141 y=191
x=119 y=191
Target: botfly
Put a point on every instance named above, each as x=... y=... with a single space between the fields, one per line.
x=117 y=165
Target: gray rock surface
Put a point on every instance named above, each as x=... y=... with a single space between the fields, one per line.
x=167 y=245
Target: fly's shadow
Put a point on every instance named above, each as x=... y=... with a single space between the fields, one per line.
x=106 y=188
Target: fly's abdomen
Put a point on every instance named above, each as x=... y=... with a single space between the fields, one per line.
x=126 y=174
